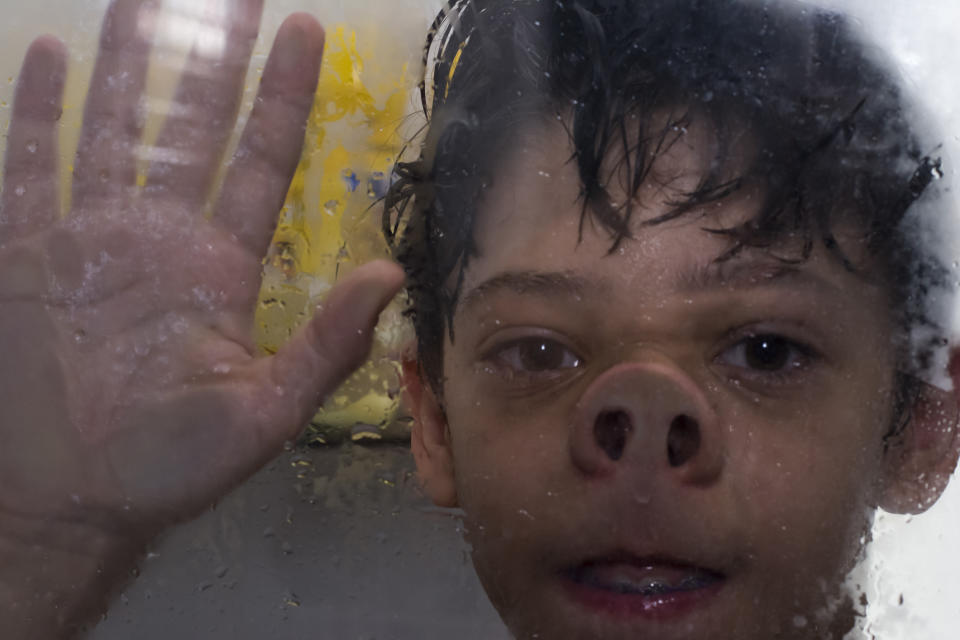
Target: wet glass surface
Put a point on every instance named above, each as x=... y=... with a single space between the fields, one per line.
x=576 y=353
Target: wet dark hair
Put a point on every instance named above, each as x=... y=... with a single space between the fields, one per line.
x=832 y=130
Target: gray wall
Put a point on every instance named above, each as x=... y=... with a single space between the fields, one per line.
x=324 y=543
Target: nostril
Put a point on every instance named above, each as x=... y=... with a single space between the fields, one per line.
x=611 y=430
x=683 y=440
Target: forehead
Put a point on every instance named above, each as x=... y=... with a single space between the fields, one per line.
x=532 y=240
x=532 y=214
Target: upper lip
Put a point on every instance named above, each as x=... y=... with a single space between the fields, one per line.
x=626 y=556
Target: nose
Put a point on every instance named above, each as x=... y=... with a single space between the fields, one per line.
x=650 y=414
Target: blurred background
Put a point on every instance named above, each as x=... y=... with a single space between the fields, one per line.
x=334 y=539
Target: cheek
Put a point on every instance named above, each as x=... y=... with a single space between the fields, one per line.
x=807 y=486
x=512 y=470
x=509 y=472
x=506 y=461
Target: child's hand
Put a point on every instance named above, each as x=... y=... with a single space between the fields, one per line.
x=131 y=396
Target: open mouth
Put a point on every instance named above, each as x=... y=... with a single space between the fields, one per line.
x=643 y=586
x=648 y=579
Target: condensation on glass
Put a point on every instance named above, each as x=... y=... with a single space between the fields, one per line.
x=337 y=537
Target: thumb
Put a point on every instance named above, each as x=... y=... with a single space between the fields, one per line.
x=333 y=344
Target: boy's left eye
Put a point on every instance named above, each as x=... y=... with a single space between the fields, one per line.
x=767 y=353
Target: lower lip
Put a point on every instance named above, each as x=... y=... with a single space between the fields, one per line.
x=667 y=606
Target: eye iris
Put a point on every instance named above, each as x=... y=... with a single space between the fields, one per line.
x=767 y=352
x=541 y=355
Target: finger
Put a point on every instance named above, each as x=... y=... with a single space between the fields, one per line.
x=112 y=122
x=269 y=150
x=332 y=345
x=29 y=201
x=194 y=136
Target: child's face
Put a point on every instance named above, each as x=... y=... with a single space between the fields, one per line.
x=651 y=416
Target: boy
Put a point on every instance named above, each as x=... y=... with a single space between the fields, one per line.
x=660 y=285
x=662 y=302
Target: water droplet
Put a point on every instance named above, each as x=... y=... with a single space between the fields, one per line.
x=221 y=368
x=32 y=146
x=20 y=190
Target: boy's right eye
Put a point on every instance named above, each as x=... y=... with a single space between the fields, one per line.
x=535 y=355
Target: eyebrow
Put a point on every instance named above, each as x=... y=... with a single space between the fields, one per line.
x=539 y=283
x=749 y=273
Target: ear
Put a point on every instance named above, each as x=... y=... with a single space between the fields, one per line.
x=430 y=438
x=919 y=463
